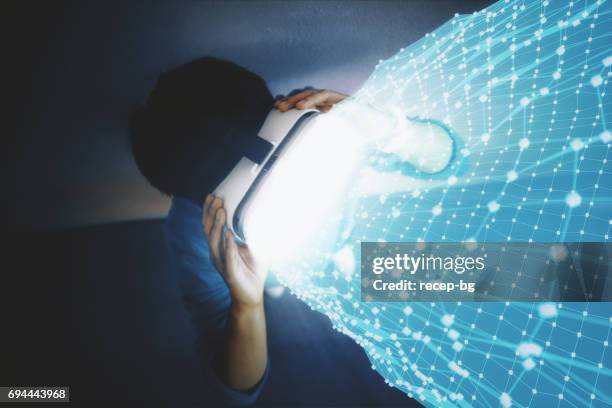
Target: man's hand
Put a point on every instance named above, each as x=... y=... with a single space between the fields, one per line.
x=244 y=355
x=322 y=100
x=234 y=262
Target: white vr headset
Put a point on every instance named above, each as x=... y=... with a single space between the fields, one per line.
x=278 y=133
x=426 y=146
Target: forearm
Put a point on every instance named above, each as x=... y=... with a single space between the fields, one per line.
x=245 y=355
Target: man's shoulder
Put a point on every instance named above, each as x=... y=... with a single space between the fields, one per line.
x=184 y=219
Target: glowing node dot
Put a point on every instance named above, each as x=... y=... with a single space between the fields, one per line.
x=447 y=320
x=577 y=144
x=437 y=210
x=493 y=206
x=529 y=364
x=505 y=400
x=524 y=143
x=596 y=80
x=605 y=136
x=573 y=199
x=512 y=175
x=547 y=310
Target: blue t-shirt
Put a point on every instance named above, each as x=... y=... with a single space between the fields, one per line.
x=205 y=294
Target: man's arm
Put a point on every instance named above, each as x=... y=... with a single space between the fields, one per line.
x=244 y=356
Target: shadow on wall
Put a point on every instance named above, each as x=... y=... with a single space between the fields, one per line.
x=90 y=65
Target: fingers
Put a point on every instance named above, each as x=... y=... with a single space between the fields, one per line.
x=211 y=205
x=214 y=221
x=289 y=102
x=207 y=202
x=215 y=242
x=249 y=260
x=325 y=108
x=230 y=254
x=239 y=261
x=247 y=257
x=209 y=199
x=322 y=100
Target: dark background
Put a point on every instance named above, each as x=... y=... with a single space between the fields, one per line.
x=88 y=295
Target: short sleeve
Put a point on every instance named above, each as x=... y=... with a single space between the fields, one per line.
x=204 y=291
x=205 y=295
x=227 y=395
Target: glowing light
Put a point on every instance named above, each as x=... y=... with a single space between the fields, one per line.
x=437 y=162
x=547 y=310
x=596 y=80
x=505 y=400
x=447 y=320
x=529 y=364
x=493 y=206
x=436 y=210
x=297 y=202
x=576 y=144
x=512 y=175
x=529 y=349
x=573 y=199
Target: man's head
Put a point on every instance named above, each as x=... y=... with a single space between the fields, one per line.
x=192 y=129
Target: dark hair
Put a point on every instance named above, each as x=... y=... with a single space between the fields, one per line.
x=191 y=131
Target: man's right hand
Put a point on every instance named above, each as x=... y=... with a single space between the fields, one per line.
x=233 y=261
x=243 y=360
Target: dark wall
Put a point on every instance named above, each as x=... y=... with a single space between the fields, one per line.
x=98 y=309
x=83 y=66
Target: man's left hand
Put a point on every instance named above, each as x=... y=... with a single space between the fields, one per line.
x=322 y=100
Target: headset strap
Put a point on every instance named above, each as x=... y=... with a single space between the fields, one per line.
x=257 y=149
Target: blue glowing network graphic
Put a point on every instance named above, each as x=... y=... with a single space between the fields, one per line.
x=519 y=89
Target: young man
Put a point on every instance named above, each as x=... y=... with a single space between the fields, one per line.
x=194 y=127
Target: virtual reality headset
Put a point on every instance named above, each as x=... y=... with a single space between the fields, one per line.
x=277 y=135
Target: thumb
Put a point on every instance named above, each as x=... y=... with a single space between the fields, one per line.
x=251 y=262
x=231 y=252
